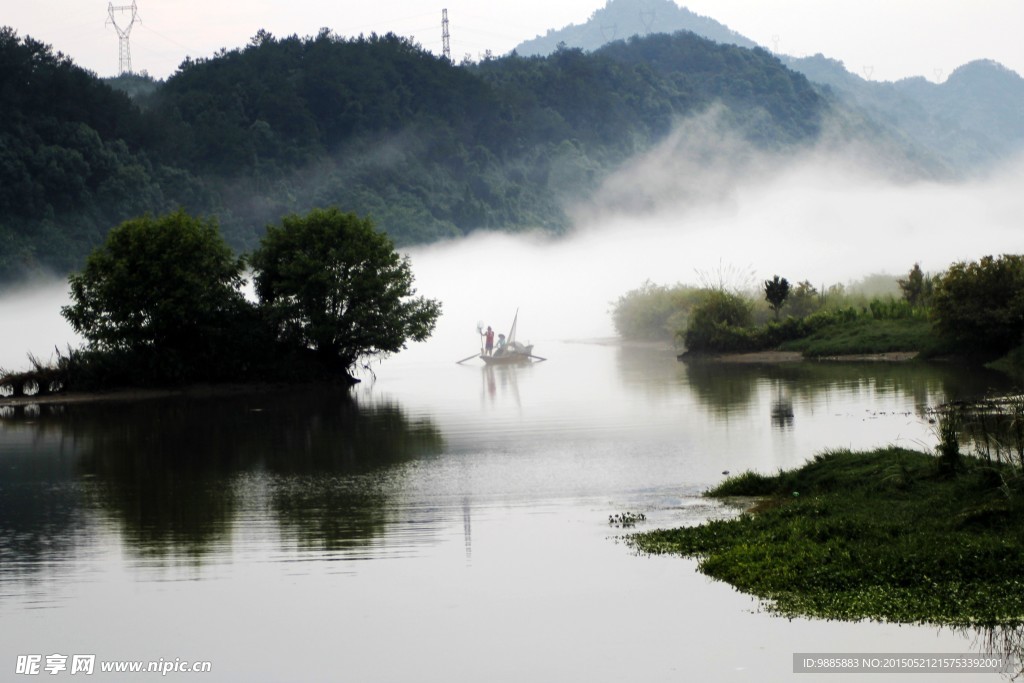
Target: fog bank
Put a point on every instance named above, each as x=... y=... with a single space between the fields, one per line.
x=30 y=321
x=700 y=205
x=703 y=202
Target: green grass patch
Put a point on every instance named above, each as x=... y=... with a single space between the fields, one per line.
x=866 y=335
x=880 y=535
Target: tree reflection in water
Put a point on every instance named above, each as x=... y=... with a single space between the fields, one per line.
x=733 y=388
x=172 y=474
x=1004 y=641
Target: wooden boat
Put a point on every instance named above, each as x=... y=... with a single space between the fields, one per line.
x=512 y=352
x=509 y=352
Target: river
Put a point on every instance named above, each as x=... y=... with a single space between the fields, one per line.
x=441 y=522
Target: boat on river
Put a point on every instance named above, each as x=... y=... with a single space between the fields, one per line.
x=511 y=353
x=508 y=351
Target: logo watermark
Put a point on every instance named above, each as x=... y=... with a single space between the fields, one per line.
x=54 y=664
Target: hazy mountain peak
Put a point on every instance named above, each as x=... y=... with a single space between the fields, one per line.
x=621 y=19
x=985 y=71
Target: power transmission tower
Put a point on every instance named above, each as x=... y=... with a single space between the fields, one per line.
x=647 y=18
x=124 y=65
x=446 y=47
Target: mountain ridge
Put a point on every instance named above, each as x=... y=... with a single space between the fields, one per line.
x=619 y=21
x=969 y=122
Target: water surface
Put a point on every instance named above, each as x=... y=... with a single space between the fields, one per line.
x=442 y=523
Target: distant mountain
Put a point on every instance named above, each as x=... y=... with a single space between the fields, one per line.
x=433 y=150
x=621 y=19
x=970 y=121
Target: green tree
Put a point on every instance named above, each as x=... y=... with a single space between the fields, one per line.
x=979 y=306
x=167 y=289
x=917 y=289
x=776 y=291
x=331 y=283
x=804 y=299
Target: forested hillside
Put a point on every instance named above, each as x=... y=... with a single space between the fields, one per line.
x=374 y=125
x=73 y=160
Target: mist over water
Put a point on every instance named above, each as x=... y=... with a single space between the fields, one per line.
x=827 y=217
x=703 y=205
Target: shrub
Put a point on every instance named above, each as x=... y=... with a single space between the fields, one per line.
x=654 y=312
x=979 y=306
x=717 y=322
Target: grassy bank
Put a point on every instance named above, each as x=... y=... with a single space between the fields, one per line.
x=884 y=535
x=867 y=336
x=723 y=325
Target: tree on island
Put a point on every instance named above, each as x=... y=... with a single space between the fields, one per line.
x=331 y=283
x=161 y=302
x=162 y=295
x=776 y=291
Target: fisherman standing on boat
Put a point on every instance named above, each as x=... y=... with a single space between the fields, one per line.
x=488 y=341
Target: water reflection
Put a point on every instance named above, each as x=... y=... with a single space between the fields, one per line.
x=502 y=382
x=782 y=410
x=732 y=389
x=1005 y=641
x=41 y=499
x=172 y=475
x=193 y=506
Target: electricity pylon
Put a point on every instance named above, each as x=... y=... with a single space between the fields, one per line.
x=446 y=48
x=124 y=65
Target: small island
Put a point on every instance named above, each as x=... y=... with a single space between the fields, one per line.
x=161 y=305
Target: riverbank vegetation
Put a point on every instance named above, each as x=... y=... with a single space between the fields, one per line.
x=889 y=535
x=973 y=310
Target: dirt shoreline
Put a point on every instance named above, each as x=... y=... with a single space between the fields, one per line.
x=796 y=356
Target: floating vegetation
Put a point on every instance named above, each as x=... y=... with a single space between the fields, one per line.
x=626 y=520
x=888 y=535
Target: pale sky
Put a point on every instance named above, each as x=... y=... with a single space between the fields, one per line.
x=882 y=39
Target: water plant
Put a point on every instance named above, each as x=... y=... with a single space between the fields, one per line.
x=626 y=520
x=885 y=535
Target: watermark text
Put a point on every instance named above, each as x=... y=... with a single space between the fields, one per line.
x=54 y=664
